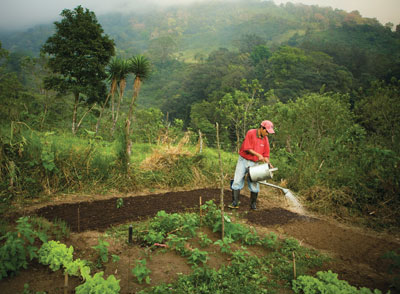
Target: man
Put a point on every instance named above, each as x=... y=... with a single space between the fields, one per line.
x=255 y=148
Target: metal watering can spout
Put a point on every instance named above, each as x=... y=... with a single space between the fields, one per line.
x=288 y=195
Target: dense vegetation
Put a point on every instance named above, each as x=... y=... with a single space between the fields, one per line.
x=328 y=79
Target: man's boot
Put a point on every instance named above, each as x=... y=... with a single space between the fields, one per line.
x=253 y=200
x=235 y=199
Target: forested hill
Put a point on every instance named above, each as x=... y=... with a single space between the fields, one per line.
x=339 y=50
x=202 y=27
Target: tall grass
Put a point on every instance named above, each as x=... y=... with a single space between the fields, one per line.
x=37 y=164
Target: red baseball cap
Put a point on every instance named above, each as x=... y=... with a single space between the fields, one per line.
x=269 y=126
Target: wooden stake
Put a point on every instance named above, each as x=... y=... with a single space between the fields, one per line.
x=79 y=216
x=66 y=283
x=222 y=186
x=294 y=265
x=201 y=214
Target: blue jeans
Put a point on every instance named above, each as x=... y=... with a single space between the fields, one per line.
x=242 y=168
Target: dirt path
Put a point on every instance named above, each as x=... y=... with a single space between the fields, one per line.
x=356 y=254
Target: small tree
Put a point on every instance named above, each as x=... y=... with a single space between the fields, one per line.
x=79 y=53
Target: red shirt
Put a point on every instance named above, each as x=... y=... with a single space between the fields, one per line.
x=258 y=144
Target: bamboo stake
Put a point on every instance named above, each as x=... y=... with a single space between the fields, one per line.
x=294 y=265
x=222 y=186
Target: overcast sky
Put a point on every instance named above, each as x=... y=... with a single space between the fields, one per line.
x=20 y=14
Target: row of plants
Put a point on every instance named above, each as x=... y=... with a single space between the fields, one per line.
x=184 y=234
x=245 y=272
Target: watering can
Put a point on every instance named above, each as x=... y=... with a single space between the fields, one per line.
x=261 y=172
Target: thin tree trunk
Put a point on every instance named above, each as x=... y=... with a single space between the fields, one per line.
x=83 y=116
x=122 y=87
x=112 y=91
x=75 y=113
x=136 y=89
x=101 y=113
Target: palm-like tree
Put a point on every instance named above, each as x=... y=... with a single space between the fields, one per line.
x=140 y=67
x=113 y=70
x=124 y=70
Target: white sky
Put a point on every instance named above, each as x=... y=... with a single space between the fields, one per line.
x=19 y=14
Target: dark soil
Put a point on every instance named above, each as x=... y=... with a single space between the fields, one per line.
x=357 y=255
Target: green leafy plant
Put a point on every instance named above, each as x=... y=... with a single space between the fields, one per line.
x=115 y=258
x=141 y=272
x=18 y=246
x=55 y=254
x=289 y=245
x=225 y=244
x=327 y=282
x=77 y=267
x=102 y=251
x=120 y=202
x=177 y=243
x=204 y=240
x=98 y=285
x=198 y=256
x=269 y=241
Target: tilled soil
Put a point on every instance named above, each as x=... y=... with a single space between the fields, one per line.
x=357 y=256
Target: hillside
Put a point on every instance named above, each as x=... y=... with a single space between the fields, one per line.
x=198 y=28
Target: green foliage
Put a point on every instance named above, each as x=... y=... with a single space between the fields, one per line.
x=77 y=267
x=394 y=268
x=115 y=258
x=204 y=240
x=327 y=282
x=178 y=244
x=55 y=254
x=83 y=71
x=98 y=285
x=270 y=240
x=102 y=250
x=196 y=256
x=141 y=272
x=18 y=246
x=225 y=244
x=120 y=202
x=163 y=225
